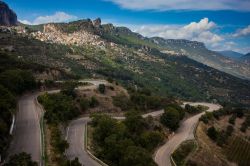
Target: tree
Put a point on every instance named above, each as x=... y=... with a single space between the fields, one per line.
x=192 y=110
x=102 y=88
x=171 y=118
x=134 y=122
x=137 y=156
x=93 y=102
x=84 y=104
x=232 y=119
x=221 y=138
x=62 y=145
x=229 y=130
x=68 y=89
x=22 y=159
x=212 y=133
x=105 y=126
x=151 y=139
x=206 y=117
x=17 y=81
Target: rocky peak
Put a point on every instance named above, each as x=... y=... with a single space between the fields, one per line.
x=7 y=16
x=97 y=22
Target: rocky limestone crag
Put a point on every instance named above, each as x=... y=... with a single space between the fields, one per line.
x=7 y=16
x=97 y=22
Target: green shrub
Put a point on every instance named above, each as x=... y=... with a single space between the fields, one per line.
x=171 y=118
x=232 y=119
x=102 y=88
x=93 y=102
x=212 y=133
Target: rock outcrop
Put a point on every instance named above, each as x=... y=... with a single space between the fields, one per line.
x=7 y=16
x=97 y=22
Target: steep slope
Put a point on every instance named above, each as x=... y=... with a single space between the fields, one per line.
x=197 y=51
x=192 y=49
x=7 y=16
x=246 y=58
x=231 y=54
x=131 y=62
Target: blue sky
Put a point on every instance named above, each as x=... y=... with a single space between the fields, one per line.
x=220 y=24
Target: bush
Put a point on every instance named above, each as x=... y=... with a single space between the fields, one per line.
x=59 y=108
x=124 y=143
x=123 y=102
x=232 y=119
x=68 y=89
x=206 y=117
x=93 y=102
x=151 y=139
x=229 y=130
x=221 y=138
x=193 y=110
x=102 y=88
x=84 y=104
x=17 y=81
x=22 y=159
x=171 y=118
x=212 y=133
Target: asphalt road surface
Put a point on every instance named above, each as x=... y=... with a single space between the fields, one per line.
x=26 y=133
x=76 y=138
x=185 y=132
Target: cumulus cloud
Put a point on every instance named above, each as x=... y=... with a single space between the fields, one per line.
x=197 y=31
x=57 y=17
x=237 y=5
x=242 y=32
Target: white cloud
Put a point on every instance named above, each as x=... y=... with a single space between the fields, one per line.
x=238 y=5
x=57 y=17
x=242 y=32
x=197 y=31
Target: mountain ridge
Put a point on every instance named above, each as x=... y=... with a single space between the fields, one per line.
x=128 y=60
x=231 y=54
x=7 y=16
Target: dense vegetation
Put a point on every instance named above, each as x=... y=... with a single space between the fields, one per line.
x=172 y=116
x=130 y=142
x=22 y=159
x=59 y=108
x=141 y=100
x=195 y=109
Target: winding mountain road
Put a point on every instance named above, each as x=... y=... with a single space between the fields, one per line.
x=76 y=138
x=26 y=132
x=185 y=132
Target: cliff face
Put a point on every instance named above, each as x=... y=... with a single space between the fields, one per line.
x=7 y=16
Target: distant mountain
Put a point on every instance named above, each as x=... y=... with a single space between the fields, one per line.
x=177 y=47
x=198 y=52
x=231 y=54
x=246 y=58
x=7 y=16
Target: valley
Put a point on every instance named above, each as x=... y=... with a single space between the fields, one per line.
x=76 y=91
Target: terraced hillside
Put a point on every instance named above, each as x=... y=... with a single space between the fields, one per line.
x=238 y=151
